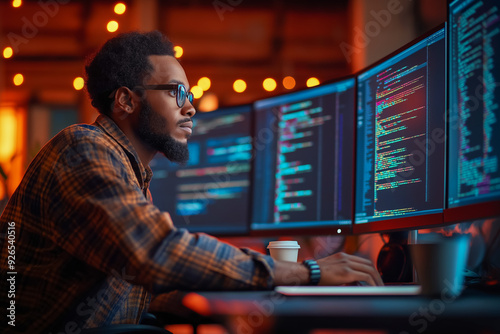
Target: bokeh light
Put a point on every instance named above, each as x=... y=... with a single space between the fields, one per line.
x=289 y=82
x=204 y=83
x=311 y=82
x=112 y=26
x=179 y=51
x=269 y=84
x=239 y=86
x=78 y=83
x=197 y=92
x=120 y=8
x=18 y=79
x=209 y=102
x=8 y=52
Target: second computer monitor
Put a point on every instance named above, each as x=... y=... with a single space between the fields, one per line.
x=400 y=176
x=211 y=193
x=303 y=168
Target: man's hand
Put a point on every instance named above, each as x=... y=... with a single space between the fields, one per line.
x=341 y=268
x=336 y=269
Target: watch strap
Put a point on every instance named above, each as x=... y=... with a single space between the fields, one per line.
x=314 y=271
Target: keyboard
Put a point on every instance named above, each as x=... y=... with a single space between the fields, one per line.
x=388 y=290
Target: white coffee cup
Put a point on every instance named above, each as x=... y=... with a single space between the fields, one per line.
x=440 y=263
x=284 y=250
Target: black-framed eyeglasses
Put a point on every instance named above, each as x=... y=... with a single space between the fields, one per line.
x=181 y=92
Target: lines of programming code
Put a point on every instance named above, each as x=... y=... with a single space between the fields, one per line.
x=474 y=102
x=304 y=174
x=400 y=113
x=298 y=161
x=400 y=133
x=211 y=192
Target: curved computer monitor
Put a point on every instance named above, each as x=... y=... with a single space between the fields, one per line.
x=400 y=148
x=474 y=104
x=304 y=159
x=211 y=193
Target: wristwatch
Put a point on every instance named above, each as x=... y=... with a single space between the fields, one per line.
x=314 y=271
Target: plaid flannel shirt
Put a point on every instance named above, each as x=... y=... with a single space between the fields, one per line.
x=90 y=246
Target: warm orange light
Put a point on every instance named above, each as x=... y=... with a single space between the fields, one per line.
x=197 y=92
x=112 y=26
x=120 y=8
x=197 y=303
x=182 y=328
x=17 y=3
x=239 y=86
x=269 y=84
x=209 y=102
x=179 y=51
x=8 y=52
x=204 y=83
x=311 y=82
x=288 y=82
x=18 y=79
x=78 y=83
x=8 y=133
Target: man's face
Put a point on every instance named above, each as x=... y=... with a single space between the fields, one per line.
x=162 y=124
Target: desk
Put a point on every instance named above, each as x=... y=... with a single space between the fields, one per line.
x=269 y=312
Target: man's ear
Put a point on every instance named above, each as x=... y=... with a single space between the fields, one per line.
x=125 y=101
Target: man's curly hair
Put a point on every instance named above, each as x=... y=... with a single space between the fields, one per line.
x=122 y=62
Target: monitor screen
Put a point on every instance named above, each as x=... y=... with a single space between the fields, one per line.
x=474 y=130
x=211 y=193
x=304 y=158
x=400 y=153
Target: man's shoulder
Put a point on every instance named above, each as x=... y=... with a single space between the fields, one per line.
x=85 y=141
x=84 y=134
x=81 y=131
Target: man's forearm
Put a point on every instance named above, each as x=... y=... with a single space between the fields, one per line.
x=290 y=273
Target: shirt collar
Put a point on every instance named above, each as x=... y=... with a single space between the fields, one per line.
x=114 y=131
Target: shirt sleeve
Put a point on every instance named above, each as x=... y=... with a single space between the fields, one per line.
x=100 y=215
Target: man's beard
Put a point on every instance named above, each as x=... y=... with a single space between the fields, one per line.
x=150 y=130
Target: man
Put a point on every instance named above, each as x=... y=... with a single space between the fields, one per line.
x=90 y=247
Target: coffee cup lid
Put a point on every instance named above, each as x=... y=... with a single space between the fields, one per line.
x=283 y=244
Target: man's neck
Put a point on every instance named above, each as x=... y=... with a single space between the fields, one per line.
x=145 y=152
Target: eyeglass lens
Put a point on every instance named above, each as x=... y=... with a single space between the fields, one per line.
x=181 y=96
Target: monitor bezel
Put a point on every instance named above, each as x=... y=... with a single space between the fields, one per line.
x=413 y=222
x=310 y=230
